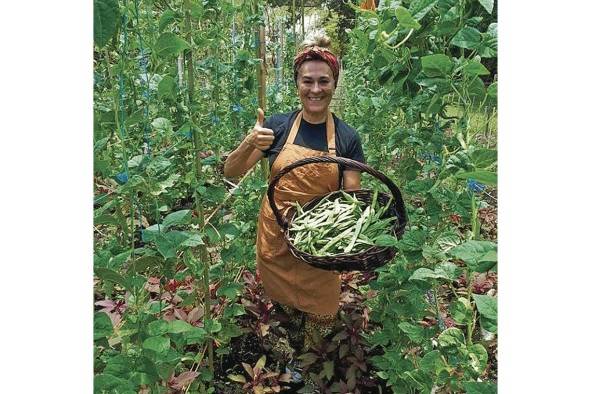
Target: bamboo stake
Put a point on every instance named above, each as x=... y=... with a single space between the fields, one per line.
x=197 y=145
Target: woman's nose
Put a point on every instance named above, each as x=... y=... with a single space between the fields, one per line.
x=316 y=87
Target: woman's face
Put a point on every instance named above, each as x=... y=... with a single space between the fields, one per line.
x=316 y=86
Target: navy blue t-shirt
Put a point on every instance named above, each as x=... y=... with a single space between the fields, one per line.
x=313 y=136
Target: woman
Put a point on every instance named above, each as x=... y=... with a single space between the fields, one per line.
x=308 y=295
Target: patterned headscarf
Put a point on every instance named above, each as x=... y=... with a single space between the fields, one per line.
x=316 y=53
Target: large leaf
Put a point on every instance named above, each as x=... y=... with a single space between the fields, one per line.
x=415 y=333
x=483 y=158
x=480 y=388
x=478 y=255
x=169 y=44
x=106 y=274
x=478 y=357
x=157 y=327
x=473 y=68
x=468 y=38
x=451 y=337
x=167 y=87
x=179 y=326
x=488 y=5
x=158 y=344
x=167 y=18
x=405 y=19
x=487 y=307
x=169 y=243
x=438 y=65
x=103 y=327
x=461 y=310
x=106 y=18
x=486 y=177
x=432 y=362
x=177 y=218
x=420 y=8
x=230 y=291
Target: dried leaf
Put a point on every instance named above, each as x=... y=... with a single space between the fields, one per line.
x=183 y=379
x=196 y=314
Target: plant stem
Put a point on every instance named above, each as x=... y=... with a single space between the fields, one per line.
x=198 y=176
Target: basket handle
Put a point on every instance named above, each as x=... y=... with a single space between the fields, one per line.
x=348 y=163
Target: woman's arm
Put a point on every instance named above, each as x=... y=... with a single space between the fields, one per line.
x=351 y=180
x=250 y=150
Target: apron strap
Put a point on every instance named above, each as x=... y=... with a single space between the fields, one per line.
x=330 y=132
x=294 y=128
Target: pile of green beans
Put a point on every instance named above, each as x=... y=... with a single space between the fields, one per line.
x=344 y=225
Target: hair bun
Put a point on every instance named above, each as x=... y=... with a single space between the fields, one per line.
x=319 y=40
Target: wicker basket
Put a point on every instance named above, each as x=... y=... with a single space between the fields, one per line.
x=367 y=260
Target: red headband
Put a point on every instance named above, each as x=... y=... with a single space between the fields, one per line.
x=317 y=53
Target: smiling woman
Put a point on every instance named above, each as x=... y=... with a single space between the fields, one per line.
x=308 y=296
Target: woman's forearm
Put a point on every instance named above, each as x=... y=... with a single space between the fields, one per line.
x=241 y=159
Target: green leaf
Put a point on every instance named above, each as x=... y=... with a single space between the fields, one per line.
x=177 y=218
x=468 y=38
x=106 y=383
x=480 y=388
x=487 y=177
x=106 y=274
x=234 y=310
x=158 y=344
x=196 y=335
x=488 y=5
x=144 y=263
x=157 y=327
x=166 y=19
x=385 y=240
x=483 y=158
x=487 y=307
x=478 y=357
x=169 y=243
x=328 y=369
x=212 y=326
x=474 y=68
x=405 y=19
x=169 y=44
x=103 y=327
x=167 y=87
x=420 y=8
x=179 y=326
x=451 y=337
x=230 y=291
x=424 y=274
x=415 y=333
x=461 y=310
x=193 y=240
x=106 y=19
x=474 y=253
x=432 y=362
x=438 y=65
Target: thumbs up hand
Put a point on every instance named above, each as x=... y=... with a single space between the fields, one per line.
x=260 y=137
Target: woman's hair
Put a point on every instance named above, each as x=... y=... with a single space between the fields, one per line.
x=316 y=48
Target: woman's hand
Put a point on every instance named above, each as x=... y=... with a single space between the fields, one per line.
x=260 y=137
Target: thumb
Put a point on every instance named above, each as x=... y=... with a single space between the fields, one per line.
x=260 y=116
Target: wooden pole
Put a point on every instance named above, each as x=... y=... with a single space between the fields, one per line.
x=262 y=78
x=303 y=34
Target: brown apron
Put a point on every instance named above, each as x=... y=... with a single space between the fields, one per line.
x=286 y=279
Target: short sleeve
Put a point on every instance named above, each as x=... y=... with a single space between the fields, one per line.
x=355 y=150
x=275 y=123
